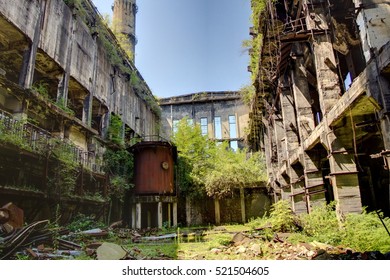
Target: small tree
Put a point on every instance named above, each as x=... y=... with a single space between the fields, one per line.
x=195 y=151
x=215 y=170
x=232 y=170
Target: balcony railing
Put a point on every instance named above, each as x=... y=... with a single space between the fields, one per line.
x=35 y=139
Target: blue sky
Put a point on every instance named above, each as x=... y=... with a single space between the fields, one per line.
x=189 y=46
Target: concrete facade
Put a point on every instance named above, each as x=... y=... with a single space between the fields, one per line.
x=63 y=77
x=208 y=106
x=324 y=69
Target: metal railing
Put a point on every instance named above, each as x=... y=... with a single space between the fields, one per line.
x=36 y=139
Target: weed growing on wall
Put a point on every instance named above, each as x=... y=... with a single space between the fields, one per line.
x=64 y=170
x=115 y=130
x=62 y=105
x=42 y=88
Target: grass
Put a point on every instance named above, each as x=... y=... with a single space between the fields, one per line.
x=321 y=229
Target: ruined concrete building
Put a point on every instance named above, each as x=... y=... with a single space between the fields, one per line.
x=222 y=115
x=124 y=21
x=68 y=92
x=321 y=111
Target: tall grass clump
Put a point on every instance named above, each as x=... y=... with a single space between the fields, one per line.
x=365 y=232
x=322 y=225
x=281 y=218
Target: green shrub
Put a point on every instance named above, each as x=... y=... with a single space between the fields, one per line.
x=322 y=224
x=281 y=218
x=365 y=232
x=82 y=222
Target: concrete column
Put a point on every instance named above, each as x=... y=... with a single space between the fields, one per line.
x=344 y=178
x=159 y=215
x=87 y=110
x=217 y=212
x=133 y=216
x=174 y=214
x=26 y=75
x=268 y=151
x=149 y=219
x=242 y=200
x=280 y=138
x=302 y=98
x=325 y=62
x=138 y=216
x=297 y=190
x=62 y=90
x=314 y=182
x=327 y=79
x=63 y=84
x=292 y=144
x=169 y=215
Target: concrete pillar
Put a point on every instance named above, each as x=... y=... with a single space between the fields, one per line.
x=138 y=216
x=292 y=144
x=174 y=214
x=242 y=200
x=149 y=219
x=26 y=75
x=325 y=62
x=159 y=215
x=280 y=138
x=62 y=90
x=87 y=110
x=314 y=181
x=63 y=84
x=344 y=178
x=297 y=190
x=133 y=216
x=302 y=98
x=169 y=215
x=217 y=212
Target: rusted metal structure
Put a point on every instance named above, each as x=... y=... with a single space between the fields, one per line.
x=153 y=201
x=154 y=168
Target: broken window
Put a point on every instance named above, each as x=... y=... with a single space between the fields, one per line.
x=218 y=128
x=175 y=125
x=203 y=126
x=232 y=127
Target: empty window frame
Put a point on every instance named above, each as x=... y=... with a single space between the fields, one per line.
x=217 y=128
x=203 y=126
x=175 y=125
x=234 y=145
x=232 y=127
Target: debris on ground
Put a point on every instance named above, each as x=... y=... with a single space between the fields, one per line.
x=253 y=246
x=42 y=240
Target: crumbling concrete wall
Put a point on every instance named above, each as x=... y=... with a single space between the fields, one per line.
x=67 y=41
x=206 y=105
x=323 y=139
x=202 y=211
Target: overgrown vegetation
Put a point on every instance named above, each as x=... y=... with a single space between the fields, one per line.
x=119 y=165
x=82 y=222
x=248 y=93
x=207 y=168
x=361 y=232
x=12 y=132
x=64 y=170
x=62 y=105
x=115 y=130
x=258 y=7
x=42 y=88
